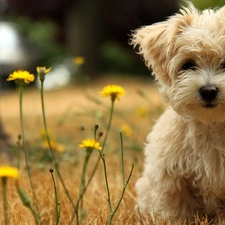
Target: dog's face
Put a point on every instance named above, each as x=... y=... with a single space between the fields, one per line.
x=187 y=56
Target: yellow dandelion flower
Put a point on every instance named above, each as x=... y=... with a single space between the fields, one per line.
x=79 y=60
x=42 y=134
x=142 y=112
x=42 y=71
x=21 y=75
x=90 y=143
x=9 y=172
x=55 y=146
x=126 y=129
x=113 y=91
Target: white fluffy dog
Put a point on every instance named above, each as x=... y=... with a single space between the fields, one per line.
x=184 y=170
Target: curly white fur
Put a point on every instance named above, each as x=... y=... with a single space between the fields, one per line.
x=184 y=169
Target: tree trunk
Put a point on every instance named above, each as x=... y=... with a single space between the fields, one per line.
x=84 y=33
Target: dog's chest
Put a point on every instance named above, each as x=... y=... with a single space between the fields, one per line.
x=206 y=156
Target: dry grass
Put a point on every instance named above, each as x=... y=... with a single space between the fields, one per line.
x=94 y=201
x=67 y=109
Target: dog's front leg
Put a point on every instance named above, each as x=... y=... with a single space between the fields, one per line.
x=161 y=194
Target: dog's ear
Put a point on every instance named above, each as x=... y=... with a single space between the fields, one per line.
x=156 y=42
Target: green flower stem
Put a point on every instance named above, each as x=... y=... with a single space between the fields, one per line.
x=45 y=121
x=104 y=142
x=56 y=164
x=82 y=187
x=121 y=197
x=56 y=198
x=18 y=151
x=5 y=203
x=122 y=158
x=109 y=124
x=112 y=212
x=24 y=146
x=99 y=158
x=64 y=186
x=27 y=203
x=106 y=182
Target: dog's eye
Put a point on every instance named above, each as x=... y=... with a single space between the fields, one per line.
x=189 y=65
x=223 y=65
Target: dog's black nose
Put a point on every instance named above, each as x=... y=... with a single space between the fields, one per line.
x=208 y=93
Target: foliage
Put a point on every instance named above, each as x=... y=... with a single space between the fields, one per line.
x=117 y=58
x=203 y=4
x=42 y=35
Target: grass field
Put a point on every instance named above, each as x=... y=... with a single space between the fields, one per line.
x=67 y=110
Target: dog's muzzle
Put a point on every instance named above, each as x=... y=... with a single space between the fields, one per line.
x=209 y=94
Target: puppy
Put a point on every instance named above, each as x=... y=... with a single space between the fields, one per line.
x=184 y=169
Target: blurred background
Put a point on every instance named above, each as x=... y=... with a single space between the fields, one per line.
x=54 y=32
x=82 y=41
